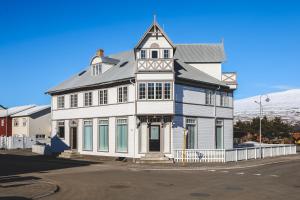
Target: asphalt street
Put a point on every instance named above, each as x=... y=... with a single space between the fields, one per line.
x=86 y=180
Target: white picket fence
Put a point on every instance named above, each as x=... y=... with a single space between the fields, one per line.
x=16 y=142
x=227 y=155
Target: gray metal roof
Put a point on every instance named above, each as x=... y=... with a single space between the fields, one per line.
x=125 y=68
x=186 y=71
x=14 y=110
x=31 y=111
x=204 y=53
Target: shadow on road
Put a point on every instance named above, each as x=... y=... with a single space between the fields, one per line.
x=13 y=198
x=11 y=164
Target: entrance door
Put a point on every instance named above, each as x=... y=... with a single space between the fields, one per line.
x=73 y=138
x=154 y=138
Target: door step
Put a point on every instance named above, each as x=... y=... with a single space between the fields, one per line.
x=151 y=158
x=69 y=154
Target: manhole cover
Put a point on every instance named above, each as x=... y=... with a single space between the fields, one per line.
x=199 y=194
x=119 y=186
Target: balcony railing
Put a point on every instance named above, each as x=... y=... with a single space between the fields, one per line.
x=155 y=65
x=230 y=78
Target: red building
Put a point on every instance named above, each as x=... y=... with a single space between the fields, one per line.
x=6 y=120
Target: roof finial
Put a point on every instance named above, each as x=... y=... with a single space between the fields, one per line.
x=154 y=18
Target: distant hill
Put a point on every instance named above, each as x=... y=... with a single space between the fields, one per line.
x=285 y=104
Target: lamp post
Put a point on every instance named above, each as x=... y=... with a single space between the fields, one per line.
x=267 y=99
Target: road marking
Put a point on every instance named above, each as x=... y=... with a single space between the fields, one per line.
x=211 y=170
x=224 y=171
x=240 y=173
x=274 y=175
x=256 y=174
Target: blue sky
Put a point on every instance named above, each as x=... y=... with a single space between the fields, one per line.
x=44 y=42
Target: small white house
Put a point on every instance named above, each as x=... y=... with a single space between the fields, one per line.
x=140 y=101
x=34 y=122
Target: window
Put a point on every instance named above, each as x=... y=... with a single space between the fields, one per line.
x=88 y=98
x=191 y=133
x=158 y=91
x=143 y=54
x=16 y=122
x=74 y=100
x=2 y=122
x=60 y=102
x=88 y=135
x=155 y=91
x=102 y=97
x=122 y=135
x=224 y=100
x=209 y=97
x=97 y=69
x=24 y=121
x=122 y=94
x=150 y=90
x=154 y=54
x=61 y=129
x=103 y=135
x=219 y=134
x=166 y=53
x=142 y=90
x=167 y=91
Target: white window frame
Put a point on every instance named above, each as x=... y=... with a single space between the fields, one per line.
x=145 y=54
x=155 y=83
x=2 y=122
x=16 y=122
x=72 y=105
x=122 y=95
x=96 y=69
x=116 y=142
x=209 y=97
x=157 y=53
x=24 y=121
x=89 y=100
x=83 y=125
x=103 y=97
x=98 y=133
x=61 y=102
x=139 y=92
x=166 y=52
x=61 y=124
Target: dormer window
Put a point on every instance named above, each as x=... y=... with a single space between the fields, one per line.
x=143 y=54
x=96 y=69
x=154 y=54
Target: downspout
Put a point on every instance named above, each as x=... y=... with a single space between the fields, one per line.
x=135 y=108
x=215 y=111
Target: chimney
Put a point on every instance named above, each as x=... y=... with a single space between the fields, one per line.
x=100 y=52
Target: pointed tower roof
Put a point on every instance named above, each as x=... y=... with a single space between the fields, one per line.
x=155 y=27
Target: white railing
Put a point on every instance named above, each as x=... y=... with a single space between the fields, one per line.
x=16 y=142
x=227 y=155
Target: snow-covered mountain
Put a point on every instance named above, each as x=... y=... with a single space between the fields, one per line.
x=285 y=104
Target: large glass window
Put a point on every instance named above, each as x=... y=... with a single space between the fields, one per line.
x=60 y=102
x=209 y=97
x=154 y=54
x=166 y=53
x=74 y=100
x=122 y=94
x=102 y=97
x=143 y=54
x=151 y=91
x=191 y=133
x=88 y=98
x=88 y=135
x=122 y=135
x=158 y=90
x=103 y=135
x=61 y=129
x=167 y=91
x=142 y=91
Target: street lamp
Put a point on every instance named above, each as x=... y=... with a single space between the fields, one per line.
x=267 y=99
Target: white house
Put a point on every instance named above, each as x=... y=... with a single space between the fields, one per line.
x=140 y=101
x=34 y=122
